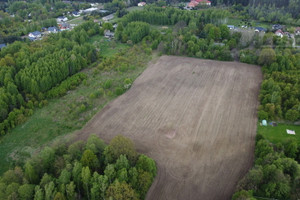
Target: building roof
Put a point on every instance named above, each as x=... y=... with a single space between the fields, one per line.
x=203 y=1
x=64 y=25
x=260 y=28
x=279 y=31
x=103 y=11
x=230 y=26
x=193 y=4
x=108 y=17
x=52 y=29
x=298 y=29
x=90 y=9
x=2 y=45
x=36 y=33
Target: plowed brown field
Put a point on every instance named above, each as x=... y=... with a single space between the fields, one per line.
x=196 y=118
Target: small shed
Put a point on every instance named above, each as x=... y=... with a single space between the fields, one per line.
x=264 y=122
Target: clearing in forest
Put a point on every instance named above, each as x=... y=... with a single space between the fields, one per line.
x=196 y=118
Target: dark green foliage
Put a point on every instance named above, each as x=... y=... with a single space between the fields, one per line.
x=274 y=175
x=57 y=173
x=68 y=84
x=170 y=16
x=118 y=146
x=30 y=73
x=135 y=31
x=279 y=94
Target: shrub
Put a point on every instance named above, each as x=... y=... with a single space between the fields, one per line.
x=107 y=84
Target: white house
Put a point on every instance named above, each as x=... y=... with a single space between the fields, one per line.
x=89 y=10
x=61 y=19
x=53 y=30
x=141 y=4
x=75 y=14
x=279 y=33
x=35 y=34
x=231 y=27
x=108 y=17
x=108 y=34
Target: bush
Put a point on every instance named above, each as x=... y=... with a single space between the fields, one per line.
x=119 y=91
x=107 y=84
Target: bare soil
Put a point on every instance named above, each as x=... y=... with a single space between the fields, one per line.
x=196 y=118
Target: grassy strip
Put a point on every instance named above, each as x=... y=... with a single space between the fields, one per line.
x=278 y=133
x=107 y=47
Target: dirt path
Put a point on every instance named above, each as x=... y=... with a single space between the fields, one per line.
x=196 y=118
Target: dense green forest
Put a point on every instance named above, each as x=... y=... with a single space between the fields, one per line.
x=82 y=170
x=29 y=70
x=276 y=173
x=193 y=33
x=280 y=94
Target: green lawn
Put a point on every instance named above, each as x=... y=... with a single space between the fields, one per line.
x=133 y=8
x=64 y=115
x=78 y=20
x=255 y=23
x=278 y=133
x=107 y=47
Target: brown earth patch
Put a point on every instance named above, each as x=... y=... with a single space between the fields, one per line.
x=196 y=118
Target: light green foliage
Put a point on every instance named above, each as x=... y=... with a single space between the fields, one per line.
x=30 y=173
x=90 y=179
x=95 y=144
x=122 y=162
x=267 y=56
x=122 y=175
x=86 y=176
x=12 y=189
x=146 y=164
x=13 y=176
x=49 y=191
x=121 y=191
x=274 y=175
x=243 y=195
x=45 y=180
x=290 y=148
x=47 y=156
x=110 y=172
x=144 y=182
x=75 y=150
x=121 y=146
x=89 y=159
x=76 y=173
x=59 y=196
x=26 y=192
x=64 y=177
x=70 y=190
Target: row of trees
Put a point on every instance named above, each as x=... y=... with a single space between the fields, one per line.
x=276 y=173
x=83 y=170
x=171 y=16
x=192 y=35
x=28 y=71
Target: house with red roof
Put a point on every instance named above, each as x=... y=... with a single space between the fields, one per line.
x=194 y=3
x=279 y=33
x=204 y=2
